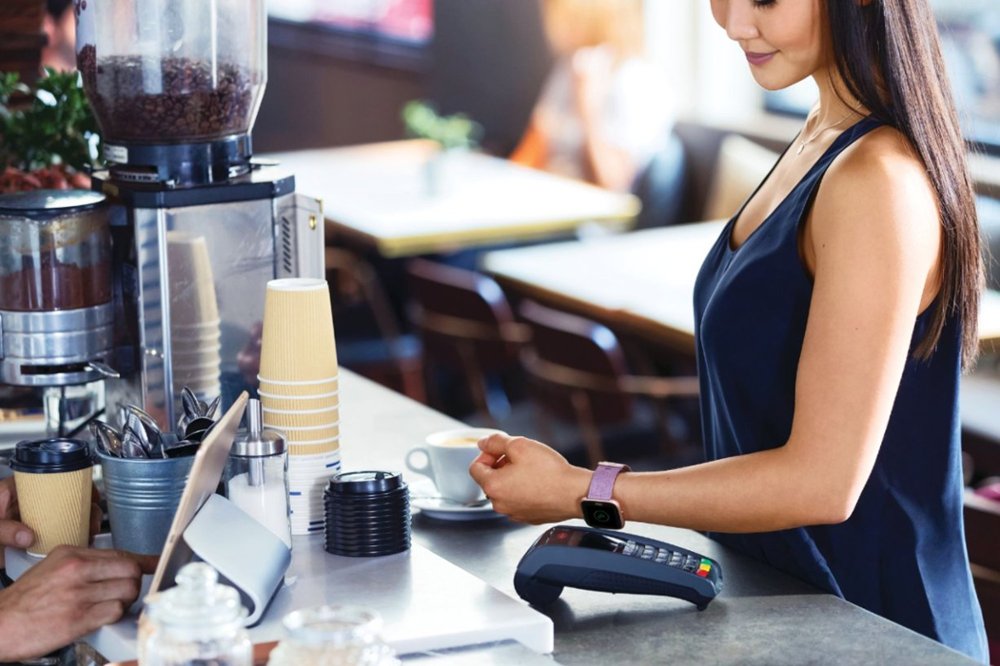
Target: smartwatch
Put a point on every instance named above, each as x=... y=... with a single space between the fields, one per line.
x=599 y=509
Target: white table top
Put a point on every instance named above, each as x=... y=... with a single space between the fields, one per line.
x=379 y=193
x=643 y=280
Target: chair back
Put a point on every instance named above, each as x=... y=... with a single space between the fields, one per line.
x=461 y=312
x=982 y=527
x=575 y=365
x=661 y=186
x=369 y=337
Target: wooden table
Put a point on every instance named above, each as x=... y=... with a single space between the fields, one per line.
x=379 y=195
x=640 y=282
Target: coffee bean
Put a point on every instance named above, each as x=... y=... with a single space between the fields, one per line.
x=189 y=108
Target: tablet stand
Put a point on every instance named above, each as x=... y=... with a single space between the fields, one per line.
x=247 y=555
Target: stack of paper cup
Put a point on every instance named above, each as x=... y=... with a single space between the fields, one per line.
x=195 y=336
x=299 y=391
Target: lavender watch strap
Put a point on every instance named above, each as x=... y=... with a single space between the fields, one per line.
x=603 y=480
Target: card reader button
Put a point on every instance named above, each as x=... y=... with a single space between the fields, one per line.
x=630 y=548
x=662 y=555
x=648 y=552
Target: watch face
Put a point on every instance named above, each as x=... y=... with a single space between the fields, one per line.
x=602 y=514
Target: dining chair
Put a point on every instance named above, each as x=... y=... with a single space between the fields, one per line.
x=580 y=374
x=661 y=186
x=466 y=325
x=369 y=337
x=982 y=525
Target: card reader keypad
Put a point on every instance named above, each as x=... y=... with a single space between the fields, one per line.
x=690 y=563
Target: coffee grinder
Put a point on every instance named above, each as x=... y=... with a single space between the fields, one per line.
x=198 y=226
x=56 y=314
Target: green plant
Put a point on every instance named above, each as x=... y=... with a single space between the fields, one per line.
x=56 y=127
x=455 y=131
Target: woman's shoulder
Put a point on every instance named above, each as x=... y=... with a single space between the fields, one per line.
x=883 y=173
x=878 y=189
x=881 y=160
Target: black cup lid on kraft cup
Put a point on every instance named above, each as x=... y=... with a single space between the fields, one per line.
x=51 y=456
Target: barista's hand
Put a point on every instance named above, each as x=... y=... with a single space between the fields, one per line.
x=12 y=532
x=69 y=594
x=529 y=481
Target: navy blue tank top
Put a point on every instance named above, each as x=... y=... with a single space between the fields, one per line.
x=902 y=552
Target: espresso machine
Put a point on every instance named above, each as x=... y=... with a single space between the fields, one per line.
x=198 y=227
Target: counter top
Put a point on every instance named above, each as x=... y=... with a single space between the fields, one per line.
x=762 y=616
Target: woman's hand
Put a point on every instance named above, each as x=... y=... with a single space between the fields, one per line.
x=529 y=481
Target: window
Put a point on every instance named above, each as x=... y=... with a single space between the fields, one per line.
x=407 y=21
x=970 y=42
x=394 y=33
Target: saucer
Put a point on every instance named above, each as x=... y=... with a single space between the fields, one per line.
x=424 y=496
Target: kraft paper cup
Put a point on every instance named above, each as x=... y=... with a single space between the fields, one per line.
x=311 y=463
x=298 y=340
x=53 y=479
x=321 y=458
x=198 y=381
x=297 y=420
x=308 y=434
x=318 y=444
x=192 y=284
x=203 y=338
x=309 y=449
x=300 y=389
x=298 y=403
x=195 y=328
x=184 y=365
x=188 y=353
x=199 y=333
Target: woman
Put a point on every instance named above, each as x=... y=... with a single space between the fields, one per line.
x=833 y=318
x=603 y=110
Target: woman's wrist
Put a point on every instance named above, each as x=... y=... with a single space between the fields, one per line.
x=577 y=484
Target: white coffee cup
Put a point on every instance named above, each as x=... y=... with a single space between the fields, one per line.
x=447 y=457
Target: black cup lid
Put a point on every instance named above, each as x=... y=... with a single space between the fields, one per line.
x=365 y=483
x=51 y=456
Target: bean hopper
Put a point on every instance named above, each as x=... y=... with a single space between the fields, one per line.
x=198 y=226
x=56 y=311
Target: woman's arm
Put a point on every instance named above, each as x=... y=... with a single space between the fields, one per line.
x=872 y=241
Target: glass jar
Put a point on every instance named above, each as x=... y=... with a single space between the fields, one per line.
x=257 y=474
x=172 y=71
x=195 y=623
x=333 y=636
x=55 y=251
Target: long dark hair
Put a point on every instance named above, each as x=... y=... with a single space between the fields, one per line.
x=889 y=55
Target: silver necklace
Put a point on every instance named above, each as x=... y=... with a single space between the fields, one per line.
x=803 y=144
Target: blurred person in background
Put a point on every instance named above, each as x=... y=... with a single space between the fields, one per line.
x=604 y=110
x=60 y=28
